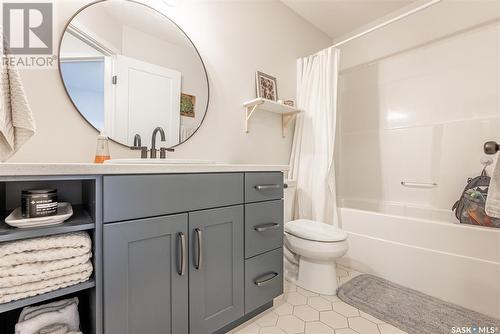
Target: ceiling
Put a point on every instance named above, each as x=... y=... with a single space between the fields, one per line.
x=339 y=17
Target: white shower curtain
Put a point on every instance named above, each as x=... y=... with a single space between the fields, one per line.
x=312 y=158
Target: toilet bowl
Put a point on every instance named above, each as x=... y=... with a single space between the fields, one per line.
x=316 y=245
x=311 y=249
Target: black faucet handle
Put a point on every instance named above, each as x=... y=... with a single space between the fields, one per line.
x=163 y=152
x=144 y=152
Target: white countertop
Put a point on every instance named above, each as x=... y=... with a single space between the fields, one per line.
x=41 y=169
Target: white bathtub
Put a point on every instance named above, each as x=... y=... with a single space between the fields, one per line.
x=455 y=262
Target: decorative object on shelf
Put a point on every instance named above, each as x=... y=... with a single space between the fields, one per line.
x=290 y=103
x=187 y=105
x=35 y=266
x=57 y=317
x=16 y=218
x=102 y=150
x=287 y=113
x=267 y=87
x=38 y=203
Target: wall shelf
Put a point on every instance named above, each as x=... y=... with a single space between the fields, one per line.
x=287 y=113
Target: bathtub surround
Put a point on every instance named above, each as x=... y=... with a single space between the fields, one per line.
x=425 y=90
x=407 y=309
x=311 y=162
x=17 y=123
x=417 y=101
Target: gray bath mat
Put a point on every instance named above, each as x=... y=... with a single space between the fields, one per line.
x=410 y=310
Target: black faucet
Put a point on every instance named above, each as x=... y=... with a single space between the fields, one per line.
x=138 y=146
x=153 y=141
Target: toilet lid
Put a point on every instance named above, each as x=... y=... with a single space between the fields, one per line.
x=316 y=231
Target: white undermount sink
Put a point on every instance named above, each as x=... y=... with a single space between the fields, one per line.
x=158 y=161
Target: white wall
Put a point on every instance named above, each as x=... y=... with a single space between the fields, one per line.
x=418 y=100
x=234 y=43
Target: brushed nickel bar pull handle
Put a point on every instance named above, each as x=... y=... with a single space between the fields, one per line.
x=267 y=186
x=199 y=244
x=266 y=279
x=181 y=251
x=266 y=227
x=418 y=184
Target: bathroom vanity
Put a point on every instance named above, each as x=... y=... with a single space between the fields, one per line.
x=195 y=251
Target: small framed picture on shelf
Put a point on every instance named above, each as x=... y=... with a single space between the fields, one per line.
x=267 y=87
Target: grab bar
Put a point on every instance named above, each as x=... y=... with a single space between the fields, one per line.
x=418 y=184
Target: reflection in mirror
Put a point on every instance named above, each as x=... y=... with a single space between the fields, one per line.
x=129 y=69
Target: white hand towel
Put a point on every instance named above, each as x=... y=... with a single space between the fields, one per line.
x=493 y=199
x=67 y=315
x=17 y=124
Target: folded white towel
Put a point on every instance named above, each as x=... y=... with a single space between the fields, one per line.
x=34 y=311
x=43 y=267
x=57 y=317
x=17 y=123
x=55 y=329
x=492 y=206
x=51 y=284
x=56 y=247
x=9 y=283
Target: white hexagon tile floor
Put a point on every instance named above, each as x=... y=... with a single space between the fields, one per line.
x=300 y=311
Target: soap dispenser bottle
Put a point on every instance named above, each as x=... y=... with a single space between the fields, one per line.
x=102 y=151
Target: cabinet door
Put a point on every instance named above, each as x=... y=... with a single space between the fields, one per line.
x=145 y=290
x=216 y=271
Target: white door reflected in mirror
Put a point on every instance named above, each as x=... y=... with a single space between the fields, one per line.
x=129 y=69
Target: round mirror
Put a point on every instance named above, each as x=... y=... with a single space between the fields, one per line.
x=129 y=69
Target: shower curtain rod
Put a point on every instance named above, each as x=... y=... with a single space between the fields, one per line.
x=385 y=23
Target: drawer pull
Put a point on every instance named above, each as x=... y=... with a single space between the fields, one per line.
x=197 y=264
x=266 y=279
x=181 y=251
x=267 y=227
x=267 y=186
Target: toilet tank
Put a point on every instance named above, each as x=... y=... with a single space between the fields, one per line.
x=289 y=194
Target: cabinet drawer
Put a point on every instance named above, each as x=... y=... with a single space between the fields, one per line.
x=263 y=186
x=135 y=196
x=263 y=279
x=263 y=227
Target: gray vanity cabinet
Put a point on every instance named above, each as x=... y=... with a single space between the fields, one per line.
x=209 y=258
x=145 y=276
x=216 y=271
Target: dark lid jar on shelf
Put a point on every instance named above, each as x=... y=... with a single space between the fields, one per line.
x=38 y=202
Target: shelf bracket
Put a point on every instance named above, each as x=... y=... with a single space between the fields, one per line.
x=248 y=114
x=285 y=121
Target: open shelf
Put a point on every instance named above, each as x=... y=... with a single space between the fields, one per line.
x=46 y=296
x=287 y=113
x=80 y=221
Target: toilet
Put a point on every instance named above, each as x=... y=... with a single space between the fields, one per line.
x=311 y=249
